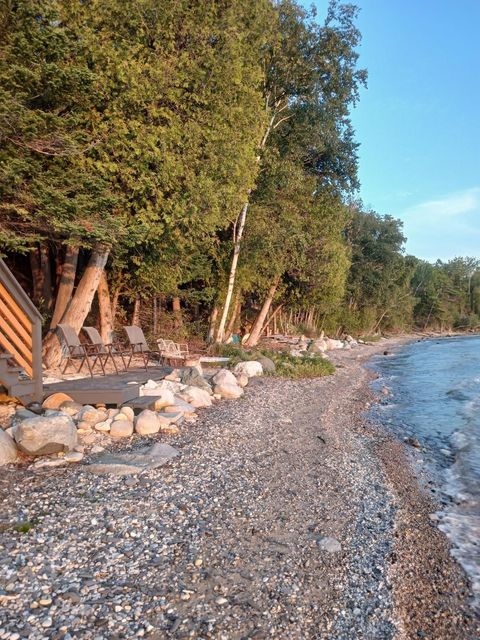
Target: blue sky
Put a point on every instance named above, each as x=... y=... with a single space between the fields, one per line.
x=418 y=122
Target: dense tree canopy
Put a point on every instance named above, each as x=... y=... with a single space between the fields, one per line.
x=201 y=155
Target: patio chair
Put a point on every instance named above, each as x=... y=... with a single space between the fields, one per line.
x=86 y=353
x=109 y=349
x=172 y=351
x=139 y=346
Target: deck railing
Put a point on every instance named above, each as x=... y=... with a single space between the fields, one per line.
x=20 y=328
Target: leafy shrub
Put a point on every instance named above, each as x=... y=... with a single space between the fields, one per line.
x=286 y=366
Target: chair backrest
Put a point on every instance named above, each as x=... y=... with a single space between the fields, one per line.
x=70 y=338
x=95 y=338
x=161 y=344
x=135 y=337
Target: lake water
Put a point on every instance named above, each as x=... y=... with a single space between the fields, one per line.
x=435 y=397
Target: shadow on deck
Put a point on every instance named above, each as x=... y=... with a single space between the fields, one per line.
x=109 y=389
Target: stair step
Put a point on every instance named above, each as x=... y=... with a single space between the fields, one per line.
x=22 y=388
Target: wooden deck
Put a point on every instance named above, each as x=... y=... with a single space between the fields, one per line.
x=111 y=389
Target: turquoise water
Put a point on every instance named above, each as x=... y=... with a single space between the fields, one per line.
x=435 y=397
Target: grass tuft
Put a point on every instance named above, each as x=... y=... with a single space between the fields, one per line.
x=25 y=526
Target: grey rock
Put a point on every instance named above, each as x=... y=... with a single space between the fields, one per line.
x=191 y=377
x=44 y=435
x=327 y=543
x=147 y=423
x=242 y=379
x=250 y=368
x=123 y=464
x=268 y=364
x=224 y=376
x=196 y=397
x=121 y=429
x=413 y=442
x=8 y=449
x=91 y=415
x=228 y=390
x=22 y=414
x=70 y=407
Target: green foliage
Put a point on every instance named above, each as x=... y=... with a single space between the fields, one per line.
x=286 y=366
x=378 y=289
x=25 y=526
x=311 y=366
x=144 y=125
x=447 y=294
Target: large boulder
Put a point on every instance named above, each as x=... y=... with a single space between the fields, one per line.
x=91 y=415
x=181 y=405
x=171 y=386
x=192 y=378
x=198 y=398
x=8 y=449
x=147 y=423
x=165 y=398
x=128 y=411
x=224 y=376
x=55 y=400
x=250 y=368
x=121 y=429
x=333 y=344
x=242 y=379
x=227 y=390
x=150 y=388
x=268 y=364
x=317 y=346
x=44 y=435
x=20 y=415
x=70 y=407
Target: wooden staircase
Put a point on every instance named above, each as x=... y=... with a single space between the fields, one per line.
x=20 y=341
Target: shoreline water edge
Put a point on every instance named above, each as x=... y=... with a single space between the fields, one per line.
x=423 y=471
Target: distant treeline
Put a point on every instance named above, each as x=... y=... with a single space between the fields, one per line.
x=194 y=165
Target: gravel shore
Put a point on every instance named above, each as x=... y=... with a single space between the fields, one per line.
x=287 y=515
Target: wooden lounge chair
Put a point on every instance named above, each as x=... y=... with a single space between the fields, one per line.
x=110 y=349
x=85 y=353
x=139 y=346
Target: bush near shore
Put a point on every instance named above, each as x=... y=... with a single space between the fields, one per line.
x=286 y=365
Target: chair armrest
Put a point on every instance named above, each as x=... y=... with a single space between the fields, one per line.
x=92 y=349
x=134 y=345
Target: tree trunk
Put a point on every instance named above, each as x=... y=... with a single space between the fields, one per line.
x=37 y=276
x=238 y=234
x=256 y=331
x=212 y=324
x=47 y=275
x=105 y=309
x=274 y=318
x=155 y=315
x=177 y=312
x=115 y=298
x=65 y=288
x=233 y=318
x=136 y=312
x=80 y=304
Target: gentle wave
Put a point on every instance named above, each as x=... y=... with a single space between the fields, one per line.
x=435 y=396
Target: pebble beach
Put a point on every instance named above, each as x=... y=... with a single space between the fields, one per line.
x=287 y=514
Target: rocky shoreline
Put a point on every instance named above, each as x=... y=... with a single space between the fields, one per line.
x=286 y=515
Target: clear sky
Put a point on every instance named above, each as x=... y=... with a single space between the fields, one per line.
x=418 y=122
